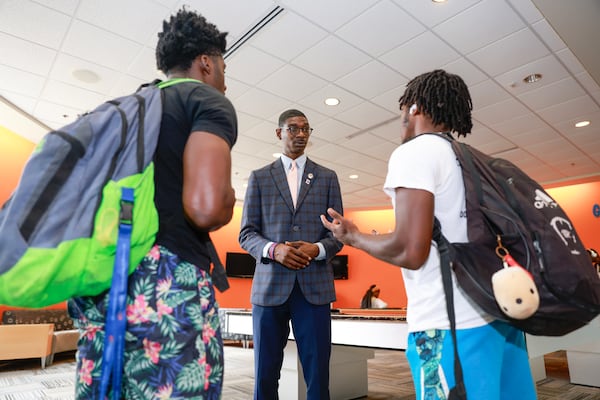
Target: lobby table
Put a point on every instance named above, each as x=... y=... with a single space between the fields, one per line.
x=355 y=333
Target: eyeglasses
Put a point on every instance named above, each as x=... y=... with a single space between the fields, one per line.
x=294 y=130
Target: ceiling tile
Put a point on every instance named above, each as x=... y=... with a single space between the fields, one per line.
x=235 y=88
x=246 y=122
x=390 y=130
x=487 y=21
x=363 y=163
x=411 y=60
x=487 y=141
x=260 y=103
x=499 y=112
x=144 y=65
x=534 y=136
x=275 y=38
x=64 y=6
x=486 y=93
x=298 y=83
x=548 y=95
x=548 y=35
x=370 y=80
x=571 y=109
x=233 y=16
x=549 y=67
x=332 y=57
x=99 y=46
x=125 y=84
x=527 y=10
x=389 y=99
x=65 y=65
x=117 y=17
x=56 y=115
x=509 y=52
x=316 y=100
x=251 y=65
x=365 y=115
x=333 y=131
x=587 y=82
x=570 y=61
x=331 y=17
x=29 y=57
x=569 y=130
x=514 y=127
x=389 y=26
x=264 y=132
x=468 y=71
x=431 y=13
x=71 y=96
x=18 y=81
x=23 y=19
x=371 y=145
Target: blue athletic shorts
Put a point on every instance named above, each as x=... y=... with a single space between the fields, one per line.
x=494 y=361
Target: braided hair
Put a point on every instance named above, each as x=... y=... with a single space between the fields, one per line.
x=444 y=97
x=185 y=36
x=365 y=302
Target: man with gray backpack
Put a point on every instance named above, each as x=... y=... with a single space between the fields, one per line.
x=134 y=186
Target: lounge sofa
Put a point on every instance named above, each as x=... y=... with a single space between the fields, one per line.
x=18 y=328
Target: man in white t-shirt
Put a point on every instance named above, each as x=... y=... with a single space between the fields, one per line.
x=425 y=181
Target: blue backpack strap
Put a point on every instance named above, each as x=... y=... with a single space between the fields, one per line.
x=116 y=319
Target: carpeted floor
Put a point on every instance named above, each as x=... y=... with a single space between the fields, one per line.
x=389 y=378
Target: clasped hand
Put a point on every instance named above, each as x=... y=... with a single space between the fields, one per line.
x=295 y=255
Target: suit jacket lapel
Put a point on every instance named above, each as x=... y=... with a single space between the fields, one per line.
x=280 y=179
x=309 y=175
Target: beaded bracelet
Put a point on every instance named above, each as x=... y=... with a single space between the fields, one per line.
x=272 y=250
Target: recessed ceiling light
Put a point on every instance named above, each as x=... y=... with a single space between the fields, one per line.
x=532 y=78
x=581 y=124
x=85 y=75
x=439 y=1
x=332 y=101
x=354 y=176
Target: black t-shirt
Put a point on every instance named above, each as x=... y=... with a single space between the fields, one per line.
x=187 y=107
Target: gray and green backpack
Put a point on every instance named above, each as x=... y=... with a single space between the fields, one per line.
x=59 y=229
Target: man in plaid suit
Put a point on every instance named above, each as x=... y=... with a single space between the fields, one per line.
x=293 y=280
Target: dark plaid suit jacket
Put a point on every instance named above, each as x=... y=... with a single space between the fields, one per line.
x=269 y=215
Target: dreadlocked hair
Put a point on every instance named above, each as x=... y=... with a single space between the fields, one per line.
x=444 y=97
x=185 y=36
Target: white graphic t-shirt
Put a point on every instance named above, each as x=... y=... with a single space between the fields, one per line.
x=428 y=163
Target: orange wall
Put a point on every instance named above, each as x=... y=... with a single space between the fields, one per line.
x=14 y=152
x=578 y=202
x=363 y=270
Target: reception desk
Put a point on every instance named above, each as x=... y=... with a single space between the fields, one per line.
x=354 y=334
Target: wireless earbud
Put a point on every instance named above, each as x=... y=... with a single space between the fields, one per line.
x=412 y=109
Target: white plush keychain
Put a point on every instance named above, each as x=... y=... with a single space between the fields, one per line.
x=514 y=288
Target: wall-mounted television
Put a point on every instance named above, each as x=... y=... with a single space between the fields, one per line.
x=242 y=265
x=340 y=267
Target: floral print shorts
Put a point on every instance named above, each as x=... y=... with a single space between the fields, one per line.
x=173 y=346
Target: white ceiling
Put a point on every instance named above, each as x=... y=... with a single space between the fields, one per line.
x=363 y=52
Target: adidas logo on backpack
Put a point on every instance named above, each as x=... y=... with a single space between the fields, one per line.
x=510 y=213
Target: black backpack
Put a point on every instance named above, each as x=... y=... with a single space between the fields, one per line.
x=506 y=206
